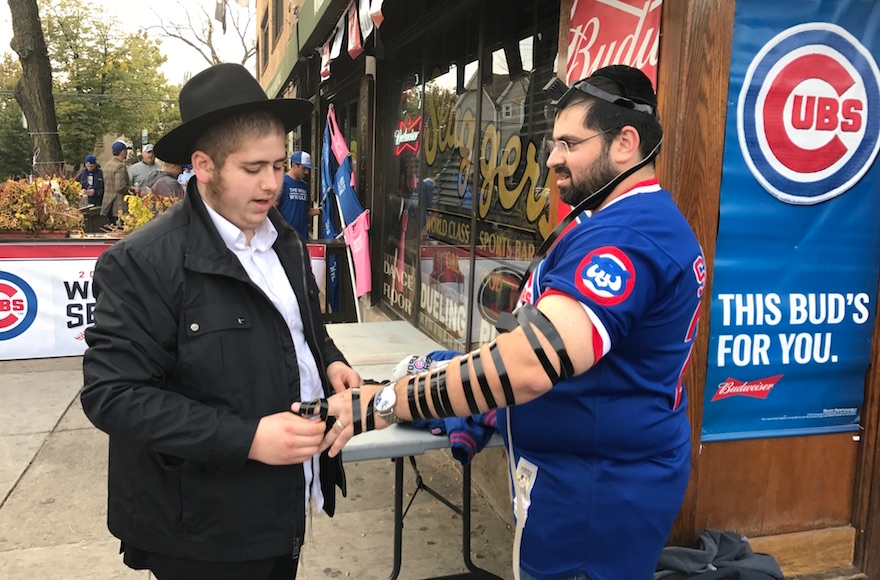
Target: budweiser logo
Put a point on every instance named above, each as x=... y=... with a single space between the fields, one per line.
x=605 y=32
x=758 y=389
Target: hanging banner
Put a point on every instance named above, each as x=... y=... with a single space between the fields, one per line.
x=46 y=298
x=796 y=263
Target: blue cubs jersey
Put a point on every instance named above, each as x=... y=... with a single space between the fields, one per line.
x=293 y=203
x=602 y=460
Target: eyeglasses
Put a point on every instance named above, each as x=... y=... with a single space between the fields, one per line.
x=565 y=146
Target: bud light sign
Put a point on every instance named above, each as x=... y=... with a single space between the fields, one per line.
x=796 y=263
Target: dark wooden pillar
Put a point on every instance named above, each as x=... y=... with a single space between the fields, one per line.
x=866 y=508
x=692 y=83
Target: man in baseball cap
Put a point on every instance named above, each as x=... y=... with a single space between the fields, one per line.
x=140 y=171
x=116 y=183
x=91 y=177
x=200 y=348
x=294 y=200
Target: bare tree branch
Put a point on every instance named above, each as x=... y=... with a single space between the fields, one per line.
x=198 y=31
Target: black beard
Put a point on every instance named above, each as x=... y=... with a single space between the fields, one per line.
x=600 y=173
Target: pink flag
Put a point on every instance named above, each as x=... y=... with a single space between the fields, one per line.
x=357 y=238
x=355 y=47
x=376 y=12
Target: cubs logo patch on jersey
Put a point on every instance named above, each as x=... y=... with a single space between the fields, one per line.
x=606 y=275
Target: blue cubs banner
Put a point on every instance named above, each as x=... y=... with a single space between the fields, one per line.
x=796 y=264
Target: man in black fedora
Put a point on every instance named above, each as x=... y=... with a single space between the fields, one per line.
x=207 y=329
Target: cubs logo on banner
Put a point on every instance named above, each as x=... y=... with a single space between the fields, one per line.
x=796 y=263
x=809 y=113
x=46 y=298
x=18 y=306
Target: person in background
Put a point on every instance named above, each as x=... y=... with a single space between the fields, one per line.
x=138 y=172
x=589 y=366
x=185 y=175
x=207 y=328
x=163 y=182
x=91 y=177
x=116 y=183
x=293 y=201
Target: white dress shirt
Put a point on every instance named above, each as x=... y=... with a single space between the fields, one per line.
x=265 y=270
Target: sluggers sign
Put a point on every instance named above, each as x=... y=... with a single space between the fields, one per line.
x=796 y=265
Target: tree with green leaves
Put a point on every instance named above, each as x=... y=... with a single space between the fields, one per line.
x=106 y=81
x=15 y=143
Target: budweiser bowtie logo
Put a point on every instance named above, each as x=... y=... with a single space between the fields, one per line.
x=758 y=389
x=605 y=32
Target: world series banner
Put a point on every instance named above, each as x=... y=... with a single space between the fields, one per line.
x=46 y=298
x=796 y=266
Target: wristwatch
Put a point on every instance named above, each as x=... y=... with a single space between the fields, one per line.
x=384 y=403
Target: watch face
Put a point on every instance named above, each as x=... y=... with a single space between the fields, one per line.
x=385 y=399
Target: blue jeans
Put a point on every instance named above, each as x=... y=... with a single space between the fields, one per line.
x=523 y=575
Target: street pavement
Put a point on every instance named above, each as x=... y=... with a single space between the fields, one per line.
x=53 y=477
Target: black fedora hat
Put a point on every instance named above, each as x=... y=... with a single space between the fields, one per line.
x=214 y=94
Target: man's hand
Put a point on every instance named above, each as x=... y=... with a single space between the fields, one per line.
x=343 y=377
x=339 y=406
x=286 y=439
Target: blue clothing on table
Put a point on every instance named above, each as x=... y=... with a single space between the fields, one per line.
x=293 y=203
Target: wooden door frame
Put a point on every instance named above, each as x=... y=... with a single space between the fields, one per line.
x=866 y=505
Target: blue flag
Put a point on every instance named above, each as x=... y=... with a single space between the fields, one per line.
x=328 y=216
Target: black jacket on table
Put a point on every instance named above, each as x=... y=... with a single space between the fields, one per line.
x=185 y=356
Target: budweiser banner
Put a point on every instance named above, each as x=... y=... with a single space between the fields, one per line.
x=604 y=32
x=796 y=263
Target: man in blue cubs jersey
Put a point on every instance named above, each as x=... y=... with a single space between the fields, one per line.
x=590 y=370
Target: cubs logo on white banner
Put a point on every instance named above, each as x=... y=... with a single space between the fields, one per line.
x=809 y=113
x=18 y=306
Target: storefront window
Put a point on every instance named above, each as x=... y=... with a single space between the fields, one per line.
x=400 y=255
x=471 y=197
x=446 y=209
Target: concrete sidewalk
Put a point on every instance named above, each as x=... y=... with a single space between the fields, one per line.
x=53 y=494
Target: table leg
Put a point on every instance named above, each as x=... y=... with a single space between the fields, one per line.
x=398 y=517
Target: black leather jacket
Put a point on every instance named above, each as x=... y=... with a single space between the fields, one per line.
x=185 y=357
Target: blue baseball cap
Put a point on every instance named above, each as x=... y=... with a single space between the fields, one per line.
x=302 y=158
x=118 y=147
x=187 y=167
x=91 y=159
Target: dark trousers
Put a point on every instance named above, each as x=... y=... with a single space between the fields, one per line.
x=169 y=568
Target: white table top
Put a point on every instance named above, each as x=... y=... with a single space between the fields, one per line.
x=398 y=441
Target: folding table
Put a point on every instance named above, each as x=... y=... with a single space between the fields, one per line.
x=398 y=442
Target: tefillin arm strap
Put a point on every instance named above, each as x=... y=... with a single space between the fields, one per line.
x=528 y=316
